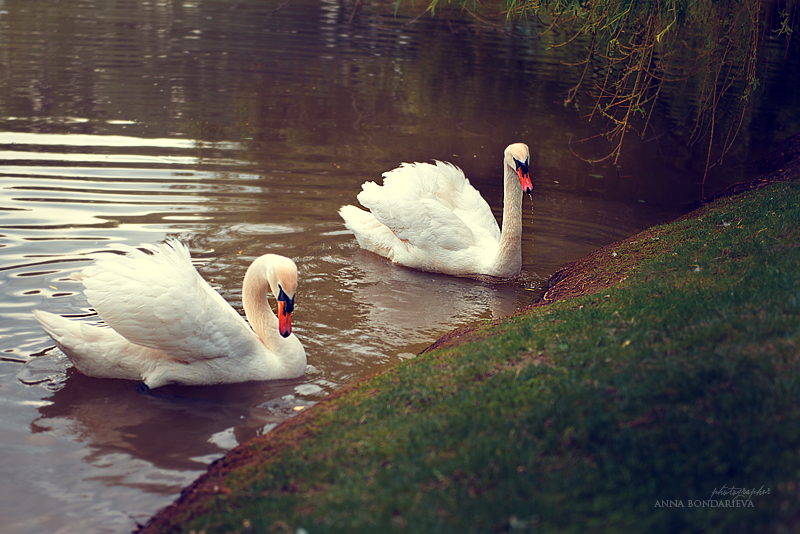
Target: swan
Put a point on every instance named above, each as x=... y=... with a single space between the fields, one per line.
x=428 y=217
x=168 y=326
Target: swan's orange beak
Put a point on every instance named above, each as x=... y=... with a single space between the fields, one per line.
x=525 y=179
x=285 y=308
x=284 y=319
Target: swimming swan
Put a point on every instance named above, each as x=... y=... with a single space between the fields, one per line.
x=168 y=326
x=429 y=217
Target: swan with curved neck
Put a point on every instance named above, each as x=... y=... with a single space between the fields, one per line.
x=168 y=326
x=428 y=217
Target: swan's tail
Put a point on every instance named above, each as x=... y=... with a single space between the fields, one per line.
x=96 y=351
x=370 y=233
x=57 y=327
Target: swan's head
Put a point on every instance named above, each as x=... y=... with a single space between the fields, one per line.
x=282 y=279
x=517 y=159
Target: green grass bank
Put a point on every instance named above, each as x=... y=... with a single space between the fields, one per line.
x=638 y=408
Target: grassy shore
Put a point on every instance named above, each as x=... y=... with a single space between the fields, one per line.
x=636 y=408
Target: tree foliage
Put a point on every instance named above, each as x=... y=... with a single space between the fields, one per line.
x=635 y=50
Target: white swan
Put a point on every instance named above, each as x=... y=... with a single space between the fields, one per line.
x=167 y=325
x=429 y=217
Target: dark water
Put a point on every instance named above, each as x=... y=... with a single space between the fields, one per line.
x=242 y=131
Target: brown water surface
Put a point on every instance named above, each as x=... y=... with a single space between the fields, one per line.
x=242 y=131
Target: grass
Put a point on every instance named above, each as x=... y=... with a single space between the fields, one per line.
x=623 y=410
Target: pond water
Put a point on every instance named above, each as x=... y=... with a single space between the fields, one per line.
x=242 y=130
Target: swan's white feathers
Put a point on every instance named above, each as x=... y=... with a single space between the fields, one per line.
x=430 y=206
x=370 y=233
x=137 y=290
x=429 y=217
x=97 y=351
x=165 y=324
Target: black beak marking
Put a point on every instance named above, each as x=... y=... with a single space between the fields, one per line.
x=288 y=303
x=522 y=168
x=520 y=165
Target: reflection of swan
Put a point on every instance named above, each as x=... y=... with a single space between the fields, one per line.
x=429 y=217
x=176 y=428
x=169 y=326
x=393 y=297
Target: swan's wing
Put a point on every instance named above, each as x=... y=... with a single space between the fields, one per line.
x=429 y=206
x=157 y=299
x=455 y=191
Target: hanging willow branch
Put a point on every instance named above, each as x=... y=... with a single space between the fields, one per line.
x=636 y=50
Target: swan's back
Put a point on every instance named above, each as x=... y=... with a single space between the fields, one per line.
x=421 y=212
x=156 y=298
x=454 y=191
x=441 y=182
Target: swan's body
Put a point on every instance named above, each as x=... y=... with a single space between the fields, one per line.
x=429 y=217
x=167 y=325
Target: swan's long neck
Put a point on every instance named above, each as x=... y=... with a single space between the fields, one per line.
x=509 y=254
x=255 y=291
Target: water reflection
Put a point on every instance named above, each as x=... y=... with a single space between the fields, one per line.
x=390 y=307
x=175 y=428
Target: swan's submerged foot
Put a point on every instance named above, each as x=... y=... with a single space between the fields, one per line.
x=142 y=389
